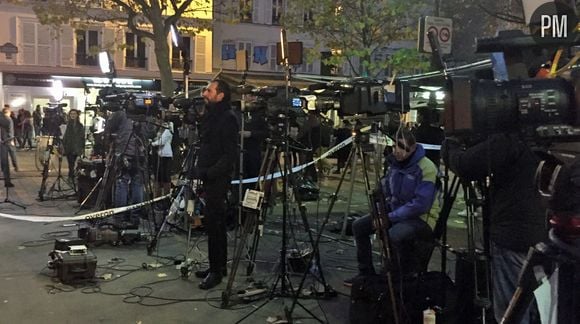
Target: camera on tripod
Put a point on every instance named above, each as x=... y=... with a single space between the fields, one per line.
x=134 y=103
x=54 y=116
x=540 y=109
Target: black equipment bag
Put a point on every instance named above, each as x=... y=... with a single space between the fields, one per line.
x=72 y=268
x=371 y=303
x=306 y=189
x=370 y=300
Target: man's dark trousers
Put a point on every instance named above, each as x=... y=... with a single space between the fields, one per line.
x=215 y=222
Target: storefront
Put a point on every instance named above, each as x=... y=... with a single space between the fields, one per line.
x=26 y=91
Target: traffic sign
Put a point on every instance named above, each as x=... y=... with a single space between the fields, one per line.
x=442 y=28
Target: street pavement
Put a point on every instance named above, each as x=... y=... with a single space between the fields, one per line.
x=134 y=287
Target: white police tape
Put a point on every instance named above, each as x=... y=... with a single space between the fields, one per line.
x=374 y=139
x=300 y=167
x=89 y=216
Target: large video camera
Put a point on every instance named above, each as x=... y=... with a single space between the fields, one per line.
x=540 y=109
x=351 y=97
x=134 y=103
x=54 y=116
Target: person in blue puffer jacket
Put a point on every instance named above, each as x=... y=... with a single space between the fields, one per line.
x=409 y=188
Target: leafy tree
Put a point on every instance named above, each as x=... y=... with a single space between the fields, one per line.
x=356 y=28
x=150 y=19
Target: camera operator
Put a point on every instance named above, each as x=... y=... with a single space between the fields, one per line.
x=409 y=189
x=309 y=136
x=6 y=137
x=164 y=155
x=73 y=141
x=9 y=141
x=516 y=216
x=255 y=133
x=215 y=163
x=130 y=156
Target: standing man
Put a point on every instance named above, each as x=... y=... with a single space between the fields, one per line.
x=129 y=154
x=37 y=120
x=216 y=158
x=73 y=141
x=9 y=139
x=5 y=137
x=516 y=216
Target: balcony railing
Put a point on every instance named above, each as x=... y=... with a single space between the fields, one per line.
x=135 y=62
x=86 y=59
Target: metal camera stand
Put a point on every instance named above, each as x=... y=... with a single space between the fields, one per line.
x=53 y=142
x=378 y=218
x=542 y=260
x=183 y=193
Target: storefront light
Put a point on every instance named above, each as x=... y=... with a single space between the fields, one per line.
x=57 y=90
x=17 y=102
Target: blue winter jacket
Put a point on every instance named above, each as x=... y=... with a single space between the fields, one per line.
x=409 y=186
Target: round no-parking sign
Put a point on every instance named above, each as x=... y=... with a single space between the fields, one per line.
x=441 y=28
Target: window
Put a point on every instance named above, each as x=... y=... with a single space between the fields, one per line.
x=277 y=11
x=135 y=51
x=246 y=46
x=246 y=9
x=87 y=47
x=273 y=59
x=176 y=59
x=36 y=43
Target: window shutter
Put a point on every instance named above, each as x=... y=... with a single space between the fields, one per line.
x=256 y=14
x=28 y=37
x=44 y=40
x=200 y=55
x=267 y=14
x=67 y=51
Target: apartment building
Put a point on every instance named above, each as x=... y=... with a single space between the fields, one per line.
x=255 y=27
x=45 y=55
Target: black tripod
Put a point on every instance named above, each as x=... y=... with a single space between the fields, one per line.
x=53 y=143
x=547 y=256
x=254 y=223
x=379 y=215
x=7 y=198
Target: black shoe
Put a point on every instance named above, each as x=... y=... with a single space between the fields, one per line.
x=204 y=273
x=8 y=185
x=213 y=279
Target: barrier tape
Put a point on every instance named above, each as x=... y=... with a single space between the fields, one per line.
x=117 y=210
x=385 y=139
x=93 y=215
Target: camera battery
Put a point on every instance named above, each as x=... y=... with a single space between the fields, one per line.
x=72 y=268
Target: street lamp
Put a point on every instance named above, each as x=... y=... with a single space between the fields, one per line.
x=178 y=42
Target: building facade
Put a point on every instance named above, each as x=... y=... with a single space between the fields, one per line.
x=45 y=54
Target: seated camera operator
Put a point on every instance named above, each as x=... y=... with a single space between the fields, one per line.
x=129 y=156
x=409 y=188
x=516 y=216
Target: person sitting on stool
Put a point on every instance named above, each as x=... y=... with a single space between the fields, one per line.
x=73 y=141
x=409 y=188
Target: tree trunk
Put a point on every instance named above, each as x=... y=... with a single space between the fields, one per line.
x=164 y=64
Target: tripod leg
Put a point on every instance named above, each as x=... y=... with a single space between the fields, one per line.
x=265 y=171
x=352 y=164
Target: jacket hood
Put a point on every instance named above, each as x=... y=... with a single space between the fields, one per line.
x=413 y=159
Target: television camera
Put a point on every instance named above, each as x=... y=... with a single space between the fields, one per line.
x=541 y=109
x=349 y=97
x=54 y=116
x=134 y=103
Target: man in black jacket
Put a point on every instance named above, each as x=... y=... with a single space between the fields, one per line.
x=516 y=216
x=216 y=157
x=5 y=138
